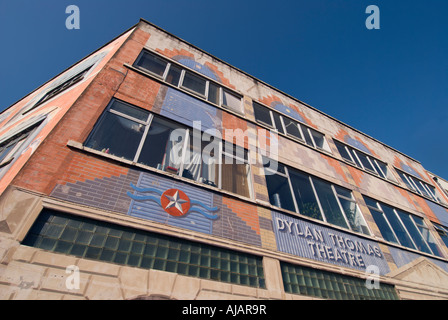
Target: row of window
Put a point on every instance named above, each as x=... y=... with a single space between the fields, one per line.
x=213 y=92
x=297 y=191
x=419 y=186
x=290 y=127
x=103 y=241
x=190 y=81
x=142 y=137
x=403 y=228
x=137 y=135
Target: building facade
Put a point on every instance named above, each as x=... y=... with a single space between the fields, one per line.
x=153 y=170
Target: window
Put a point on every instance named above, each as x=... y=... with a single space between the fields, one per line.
x=290 y=127
x=313 y=197
x=91 y=239
x=419 y=186
x=62 y=87
x=10 y=147
x=189 y=81
x=364 y=161
x=401 y=227
x=328 y=285
x=236 y=171
x=443 y=233
x=139 y=136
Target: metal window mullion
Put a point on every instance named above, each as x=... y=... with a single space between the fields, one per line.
x=378 y=167
x=282 y=123
x=165 y=73
x=145 y=134
x=273 y=124
x=294 y=200
x=181 y=78
x=184 y=151
x=207 y=88
x=372 y=164
x=349 y=154
x=317 y=199
x=128 y=117
x=359 y=161
x=312 y=138
x=299 y=126
x=220 y=160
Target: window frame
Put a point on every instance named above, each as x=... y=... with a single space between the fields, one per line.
x=186 y=140
x=50 y=94
x=396 y=212
x=180 y=85
x=301 y=128
x=411 y=182
x=354 y=154
x=336 y=195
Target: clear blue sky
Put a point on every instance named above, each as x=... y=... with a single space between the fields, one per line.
x=390 y=83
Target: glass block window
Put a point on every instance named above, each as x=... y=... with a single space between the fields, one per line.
x=328 y=285
x=92 y=239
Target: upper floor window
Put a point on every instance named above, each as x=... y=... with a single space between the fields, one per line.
x=290 y=127
x=137 y=135
x=10 y=147
x=419 y=186
x=443 y=233
x=57 y=90
x=189 y=81
x=363 y=160
x=313 y=197
x=403 y=228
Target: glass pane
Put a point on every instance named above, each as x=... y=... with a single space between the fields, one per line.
x=129 y=110
x=117 y=136
x=354 y=216
x=306 y=135
x=382 y=224
x=163 y=146
x=365 y=161
x=381 y=168
x=342 y=151
x=200 y=162
x=396 y=225
x=329 y=204
x=319 y=139
x=152 y=63
x=305 y=197
x=291 y=128
x=279 y=192
x=235 y=177
x=173 y=75
x=405 y=180
x=213 y=93
x=426 y=235
x=194 y=83
x=231 y=101
x=410 y=226
x=278 y=122
x=262 y=114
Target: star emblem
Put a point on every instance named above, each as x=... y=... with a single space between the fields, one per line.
x=175 y=202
